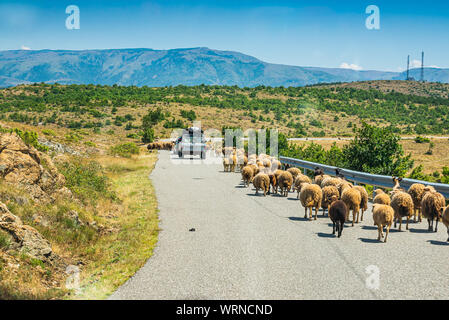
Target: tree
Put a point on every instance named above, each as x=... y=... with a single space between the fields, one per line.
x=377 y=150
x=148 y=135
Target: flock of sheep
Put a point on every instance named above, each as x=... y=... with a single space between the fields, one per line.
x=338 y=196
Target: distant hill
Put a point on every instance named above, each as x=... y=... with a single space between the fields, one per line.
x=158 y=68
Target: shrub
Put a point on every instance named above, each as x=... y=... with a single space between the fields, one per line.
x=148 y=135
x=86 y=180
x=124 y=150
x=30 y=138
x=420 y=139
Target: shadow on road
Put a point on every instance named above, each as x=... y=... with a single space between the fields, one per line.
x=438 y=243
x=326 y=235
x=293 y=199
x=298 y=219
x=366 y=240
x=420 y=231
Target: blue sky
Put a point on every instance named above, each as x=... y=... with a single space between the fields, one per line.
x=307 y=33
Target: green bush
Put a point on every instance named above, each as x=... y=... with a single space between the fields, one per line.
x=86 y=180
x=148 y=135
x=420 y=139
x=124 y=150
x=30 y=138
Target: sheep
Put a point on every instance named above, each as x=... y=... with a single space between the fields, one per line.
x=255 y=169
x=416 y=191
x=331 y=182
x=275 y=165
x=337 y=213
x=273 y=182
x=267 y=163
x=328 y=193
x=311 y=197
x=364 y=203
x=402 y=204
x=383 y=216
x=381 y=197
x=242 y=161
x=294 y=172
x=262 y=181
x=233 y=161
x=277 y=173
x=285 y=182
x=247 y=175
x=343 y=186
x=319 y=179
x=352 y=198
x=318 y=172
x=446 y=220
x=338 y=174
x=299 y=181
x=226 y=165
x=431 y=207
x=396 y=186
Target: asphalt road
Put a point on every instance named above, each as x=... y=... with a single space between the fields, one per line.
x=255 y=247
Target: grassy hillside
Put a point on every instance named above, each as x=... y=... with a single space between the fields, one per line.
x=316 y=111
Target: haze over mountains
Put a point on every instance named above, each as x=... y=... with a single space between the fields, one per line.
x=193 y=66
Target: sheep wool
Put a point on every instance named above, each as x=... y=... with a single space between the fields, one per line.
x=262 y=181
x=328 y=193
x=416 y=191
x=311 y=197
x=364 y=203
x=285 y=182
x=247 y=175
x=402 y=204
x=352 y=198
x=432 y=205
x=381 y=197
x=383 y=216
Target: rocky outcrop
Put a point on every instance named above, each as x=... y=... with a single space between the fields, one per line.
x=34 y=171
x=26 y=238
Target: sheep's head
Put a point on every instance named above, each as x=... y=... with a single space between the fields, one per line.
x=332 y=198
x=378 y=191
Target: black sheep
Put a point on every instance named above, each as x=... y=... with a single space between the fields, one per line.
x=318 y=172
x=337 y=212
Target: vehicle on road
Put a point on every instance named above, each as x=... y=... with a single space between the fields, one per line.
x=191 y=142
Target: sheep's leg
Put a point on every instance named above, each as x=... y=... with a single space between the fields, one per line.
x=354 y=215
x=400 y=223
x=305 y=213
x=420 y=215
x=333 y=227
x=387 y=232
x=340 y=229
x=361 y=218
x=448 y=233
x=436 y=224
x=379 y=232
x=414 y=216
x=407 y=222
x=311 y=213
x=316 y=212
x=298 y=195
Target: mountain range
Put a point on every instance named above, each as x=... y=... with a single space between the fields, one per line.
x=192 y=66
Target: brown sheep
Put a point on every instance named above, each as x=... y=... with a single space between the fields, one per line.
x=299 y=181
x=273 y=182
x=311 y=197
x=285 y=182
x=331 y=182
x=402 y=203
x=352 y=199
x=383 y=216
x=294 y=172
x=277 y=173
x=337 y=212
x=328 y=193
x=343 y=186
x=446 y=220
x=247 y=175
x=431 y=207
x=226 y=165
x=262 y=181
x=319 y=179
x=364 y=203
x=275 y=165
x=381 y=197
x=416 y=191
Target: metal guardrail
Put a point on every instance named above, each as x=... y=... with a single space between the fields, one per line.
x=365 y=178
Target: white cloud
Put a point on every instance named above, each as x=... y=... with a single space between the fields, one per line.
x=352 y=66
x=22 y=47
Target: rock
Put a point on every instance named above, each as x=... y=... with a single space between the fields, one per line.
x=74 y=216
x=29 y=240
x=25 y=166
